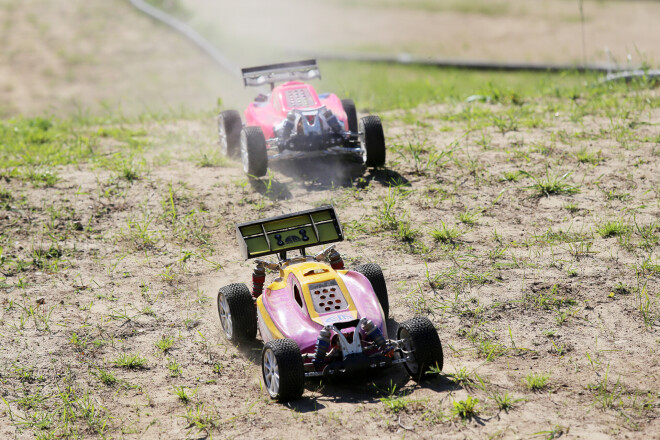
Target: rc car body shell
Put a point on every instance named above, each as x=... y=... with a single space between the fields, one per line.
x=293 y=306
x=293 y=122
x=292 y=95
x=316 y=318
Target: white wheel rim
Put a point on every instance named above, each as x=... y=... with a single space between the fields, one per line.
x=271 y=373
x=244 y=152
x=222 y=133
x=362 y=140
x=225 y=315
x=412 y=364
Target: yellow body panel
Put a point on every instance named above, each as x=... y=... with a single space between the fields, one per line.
x=270 y=325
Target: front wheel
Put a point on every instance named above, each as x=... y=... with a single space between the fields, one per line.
x=283 y=370
x=253 y=151
x=237 y=313
x=372 y=140
x=375 y=276
x=422 y=345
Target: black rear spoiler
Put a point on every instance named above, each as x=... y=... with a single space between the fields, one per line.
x=289 y=232
x=273 y=73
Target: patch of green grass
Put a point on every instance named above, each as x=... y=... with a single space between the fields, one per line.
x=130 y=361
x=211 y=158
x=445 y=234
x=551 y=184
x=106 y=377
x=462 y=377
x=174 y=367
x=6 y=196
x=165 y=343
x=613 y=228
x=183 y=393
x=404 y=87
x=505 y=401
x=536 y=381
x=469 y=217
x=585 y=156
x=551 y=300
x=511 y=176
x=46 y=177
x=466 y=409
x=40 y=144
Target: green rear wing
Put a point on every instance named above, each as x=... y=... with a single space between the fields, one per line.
x=289 y=232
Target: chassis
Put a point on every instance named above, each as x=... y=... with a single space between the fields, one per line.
x=294 y=122
x=316 y=318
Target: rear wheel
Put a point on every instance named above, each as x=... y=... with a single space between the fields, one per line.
x=253 y=151
x=422 y=344
x=283 y=370
x=375 y=276
x=229 y=132
x=238 y=316
x=372 y=140
x=351 y=114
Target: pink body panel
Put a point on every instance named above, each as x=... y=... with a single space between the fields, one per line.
x=294 y=322
x=364 y=298
x=269 y=113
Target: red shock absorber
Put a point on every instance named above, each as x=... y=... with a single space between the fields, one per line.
x=335 y=260
x=258 y=279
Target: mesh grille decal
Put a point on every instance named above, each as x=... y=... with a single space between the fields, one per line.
x=296 y=98
x=327 y=297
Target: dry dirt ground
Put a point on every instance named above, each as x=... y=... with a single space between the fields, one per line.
x=526 y=230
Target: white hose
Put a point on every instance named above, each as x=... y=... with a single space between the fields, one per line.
x=189 y=33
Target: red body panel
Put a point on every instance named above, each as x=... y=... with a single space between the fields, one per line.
x=286 y=97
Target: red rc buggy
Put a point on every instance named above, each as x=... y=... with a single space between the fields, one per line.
x=294 y=122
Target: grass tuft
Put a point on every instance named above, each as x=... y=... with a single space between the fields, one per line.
x=466 y=409
x=536 y=381
x=445 y=234
x=613 y=228
x=130 y=361
x=551 y=184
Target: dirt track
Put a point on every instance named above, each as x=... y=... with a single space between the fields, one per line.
x=124 y=258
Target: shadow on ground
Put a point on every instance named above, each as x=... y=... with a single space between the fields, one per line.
x=323 y=174
x=369 y=386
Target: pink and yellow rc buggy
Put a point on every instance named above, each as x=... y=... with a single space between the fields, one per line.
x=316 y=318
x=294 y=122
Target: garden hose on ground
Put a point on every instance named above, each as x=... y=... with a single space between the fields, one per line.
x=614 y=73
x=189 y=33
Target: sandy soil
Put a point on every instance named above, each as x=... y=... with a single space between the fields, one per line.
x=98 y=57
x=508 y=299
x=114 y=266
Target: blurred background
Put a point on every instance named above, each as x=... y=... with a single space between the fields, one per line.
x=104 y=56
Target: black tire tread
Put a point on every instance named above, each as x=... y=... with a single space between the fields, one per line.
x=374 y=140
x=243 y=312
x=291 y=368
x=257 y=154
x=426 y=344
x=374 y=274
x=233 y=125
x=351 y=114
